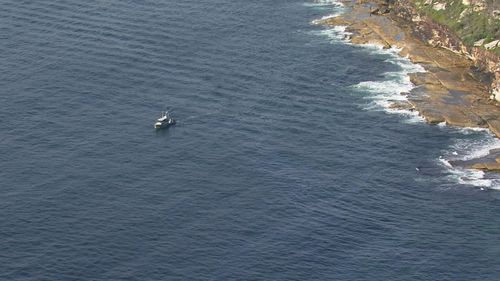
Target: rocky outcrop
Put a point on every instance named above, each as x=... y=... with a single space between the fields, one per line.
x=492 y=45
x=426 y=29
x=490 y=162
x=438 y=35
x=451 y=90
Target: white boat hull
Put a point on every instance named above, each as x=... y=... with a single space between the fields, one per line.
x=160 y=125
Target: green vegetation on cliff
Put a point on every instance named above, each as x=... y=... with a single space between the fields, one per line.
x=471 y=20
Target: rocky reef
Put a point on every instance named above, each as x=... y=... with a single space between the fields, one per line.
x=458 y=82
x=435 y=34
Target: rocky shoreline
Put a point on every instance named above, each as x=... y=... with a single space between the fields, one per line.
x=452 y=90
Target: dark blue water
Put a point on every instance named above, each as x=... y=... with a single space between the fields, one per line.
x=276 y=169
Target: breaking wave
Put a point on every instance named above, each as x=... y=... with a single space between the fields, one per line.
x=334 y=8
x=477 y=143
x=381 y=94
x=334 y=34
x=324 y=3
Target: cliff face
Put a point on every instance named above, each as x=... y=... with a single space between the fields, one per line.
x=424 y=28
x=439 y=35
x=476 y=22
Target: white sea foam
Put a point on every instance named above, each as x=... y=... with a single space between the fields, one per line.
x=322 y=3
x=411 y=117
x=475 y=178
x=476 y=148
x=335 y=34
x=332 y=6
x=494 y=187
x=477 y=144
x=445 y=162
x=465 y=176
x=383 y=92
x=468 y=130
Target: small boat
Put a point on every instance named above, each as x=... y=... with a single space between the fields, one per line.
x=164 y=121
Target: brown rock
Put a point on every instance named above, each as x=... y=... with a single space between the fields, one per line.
x=431 y=116
x=493 y=167
x=375 y=11
x=402 y=105
x=494 y=126
x=335 y=21
x=449 y=91
x=455 y=117
x=422 y=78
x=479 y=166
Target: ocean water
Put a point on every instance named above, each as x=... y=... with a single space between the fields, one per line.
x=285 y=164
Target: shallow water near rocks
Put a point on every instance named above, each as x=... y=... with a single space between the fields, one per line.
x=282 y=165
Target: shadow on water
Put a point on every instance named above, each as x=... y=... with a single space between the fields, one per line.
x=164 y=132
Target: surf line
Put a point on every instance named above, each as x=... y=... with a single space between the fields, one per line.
x=392 y=94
